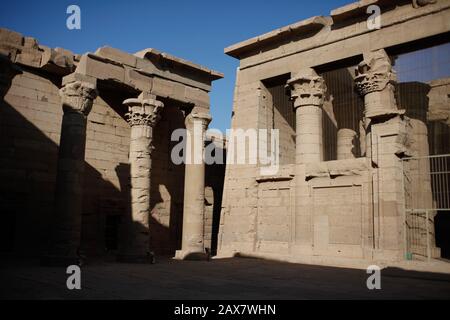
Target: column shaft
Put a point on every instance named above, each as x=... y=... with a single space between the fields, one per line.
x=140 y=166
x=194 y=189
x=307 y=91
x=77 y=95
x=69 y=185
x=143 y=115
x=309 y=141
x=346 y=144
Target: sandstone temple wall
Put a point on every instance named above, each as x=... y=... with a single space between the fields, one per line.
x=339 y=192
x=30 y=125
x=31 y=120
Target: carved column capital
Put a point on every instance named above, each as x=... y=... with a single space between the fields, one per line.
x=143 y=112
x=374 y=73
x=307 y=88
x=193 y=117
x=78 y=97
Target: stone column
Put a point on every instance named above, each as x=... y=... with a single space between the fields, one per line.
x=77 y=96
x=194 y=189
x=388 y=138
x=307 y=91
x=346 y=139
x=375 y=81
x=143 y=114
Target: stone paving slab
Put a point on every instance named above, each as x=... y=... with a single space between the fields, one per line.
x=236 y=278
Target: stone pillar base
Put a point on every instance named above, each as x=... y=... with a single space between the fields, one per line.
x=143 y=259
x=191 y=255
x=60 y=261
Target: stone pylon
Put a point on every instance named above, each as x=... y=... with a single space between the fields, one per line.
x=194 y=190
x=143 y=114
x=77 y=96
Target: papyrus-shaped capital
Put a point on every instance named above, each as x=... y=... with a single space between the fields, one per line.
x=143 y=112
x=374 y=73
x=307 y=88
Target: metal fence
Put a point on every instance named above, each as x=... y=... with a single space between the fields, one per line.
x=426 y=183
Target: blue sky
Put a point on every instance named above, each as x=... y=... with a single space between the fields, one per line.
x=196 y=30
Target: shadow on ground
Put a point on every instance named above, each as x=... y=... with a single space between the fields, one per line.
x=236 y=278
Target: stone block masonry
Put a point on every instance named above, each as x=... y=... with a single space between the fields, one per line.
x=341 y=194
x=81 y=175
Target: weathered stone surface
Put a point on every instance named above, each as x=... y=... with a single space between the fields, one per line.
x=337 y=168
x=439 y=101
x=143 y=114
x=99 y=150
x=27 y=51
x=77 y=98
x=192 y=246
x=307 y=91
x=117 y=56
x=335 y=204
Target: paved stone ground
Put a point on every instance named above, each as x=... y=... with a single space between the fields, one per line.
x=218 y=279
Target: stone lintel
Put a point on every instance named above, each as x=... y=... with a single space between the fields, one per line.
x=79 y=77
x=104 y=68
x=359 y=8
x=117 y=55
x=308 y=26
x=153 y=54
x=135 y=71
x=338 y=41
x=355 y=9
x=155 y=63
x=27 y=51
x=347 y=167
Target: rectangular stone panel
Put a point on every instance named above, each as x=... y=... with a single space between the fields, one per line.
x=274 y=220
x=337 y=216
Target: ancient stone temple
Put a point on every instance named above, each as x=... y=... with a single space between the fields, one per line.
x=358 y=106
x=86 y=144
x=362 y=114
